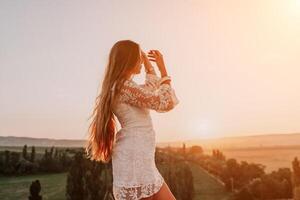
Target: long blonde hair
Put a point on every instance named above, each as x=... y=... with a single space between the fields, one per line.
x=123 y=57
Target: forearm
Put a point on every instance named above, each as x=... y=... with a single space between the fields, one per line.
x=163 y=73
x=150 y=70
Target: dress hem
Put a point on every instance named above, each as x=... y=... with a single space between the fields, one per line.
x=159 y=186
x=154 y=192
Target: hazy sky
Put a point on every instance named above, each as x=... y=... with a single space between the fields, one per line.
x=234 y=64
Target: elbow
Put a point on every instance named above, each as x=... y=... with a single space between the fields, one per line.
x=173 y=102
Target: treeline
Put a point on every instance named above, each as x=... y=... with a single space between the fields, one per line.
x=26 y=162
x=89 y=180
x=247 y=181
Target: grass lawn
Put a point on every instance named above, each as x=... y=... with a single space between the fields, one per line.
x=207 y=188
x=53 y=186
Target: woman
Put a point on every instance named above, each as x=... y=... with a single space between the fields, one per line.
x=135 y=175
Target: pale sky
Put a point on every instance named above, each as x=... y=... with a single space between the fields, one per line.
x=234 y=64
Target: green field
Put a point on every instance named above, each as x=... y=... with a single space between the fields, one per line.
x=17 y=188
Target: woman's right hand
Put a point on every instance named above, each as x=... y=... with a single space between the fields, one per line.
x=157 y=57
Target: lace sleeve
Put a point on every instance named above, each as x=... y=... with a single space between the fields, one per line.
x=161 y=99
x=152 y=81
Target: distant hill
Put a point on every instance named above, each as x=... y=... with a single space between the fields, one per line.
x=21 y=141
x=254 y=141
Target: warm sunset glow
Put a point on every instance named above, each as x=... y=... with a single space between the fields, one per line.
x=202 y=128
x=234 y=64
x=294 y=8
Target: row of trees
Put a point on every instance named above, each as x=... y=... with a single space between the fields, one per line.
x=280 y=184
x=18 y=163
x=88 y=180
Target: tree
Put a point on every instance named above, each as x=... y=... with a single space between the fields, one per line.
x=51 y=152
x=32 y=157
x=74 y=188
x=183 y=150
x=35 y=189
x=218 y=155
x=196 y=150
x=296 y=178
x=87 y=180
x=6 y=157
x=25 y=156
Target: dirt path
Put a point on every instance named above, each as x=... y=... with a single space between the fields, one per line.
x=206 y=187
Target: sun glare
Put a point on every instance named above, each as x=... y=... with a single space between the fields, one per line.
x=294 y=8
x=202 y=128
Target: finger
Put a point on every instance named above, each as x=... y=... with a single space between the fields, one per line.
x=151 y=56
x=153 y=52
x=157 y=52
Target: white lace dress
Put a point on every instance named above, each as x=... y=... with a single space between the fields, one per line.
x=135 y=174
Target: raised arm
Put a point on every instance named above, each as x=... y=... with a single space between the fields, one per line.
x=152 y=82
x=162 y=99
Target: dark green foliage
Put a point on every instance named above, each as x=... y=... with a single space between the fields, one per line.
x=236 y=175
x=19 y=163
x=10 y=162
x=296 y=178
x=75 y=181
x=88 y=180
x=296 y=172
x=35 y=189
x=32 y=156
x=26 y=167
x=14 y=164
x=195 y=150
x=248 y=180
x=91 y=180
x=7 y=158
x=55 y=161
x=24 y=153
x=244 y=194
x=177 y=173
x=218 y=155
x=276 y=185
